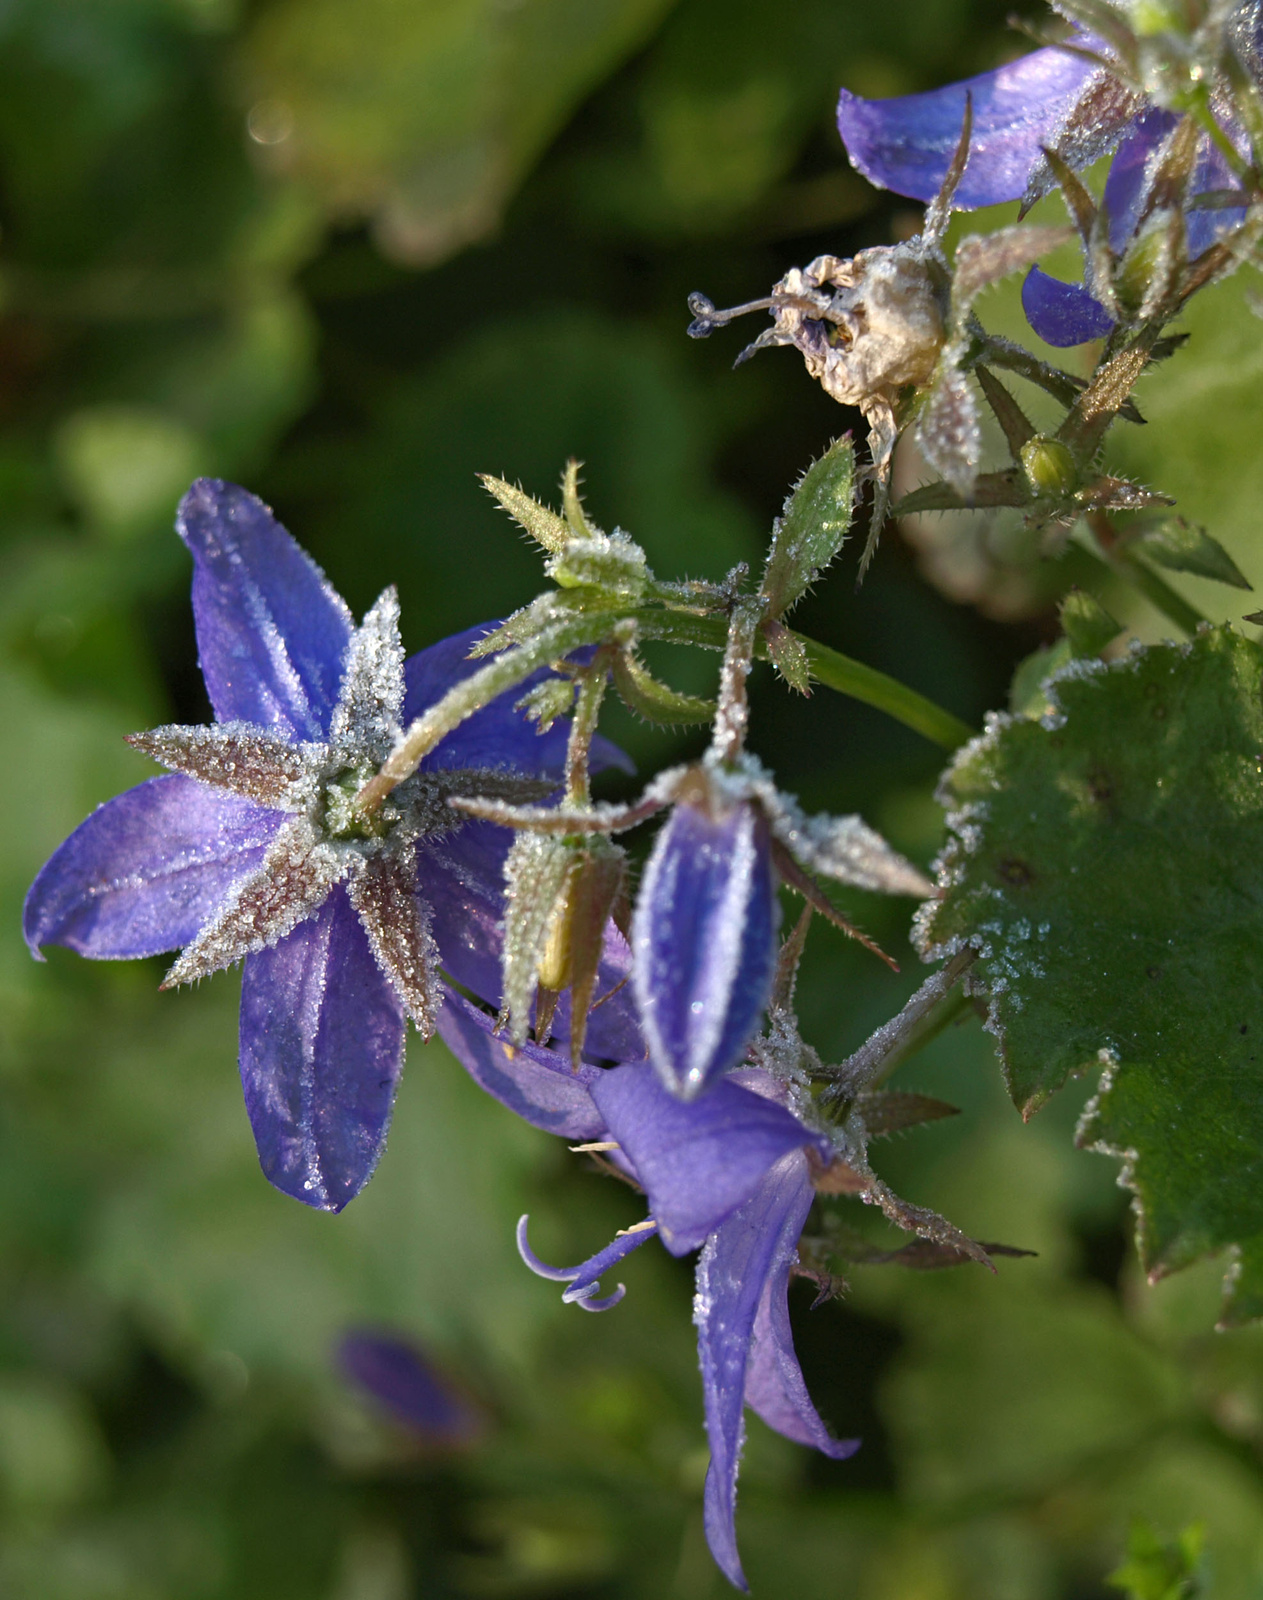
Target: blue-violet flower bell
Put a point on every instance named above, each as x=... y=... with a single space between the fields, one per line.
x=251 y=847
x=704 y=934
x=730 y=1174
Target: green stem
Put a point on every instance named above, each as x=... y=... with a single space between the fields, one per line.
x=1209 y=124
x=587 y=712
x=1123 y=563
x=829 y=667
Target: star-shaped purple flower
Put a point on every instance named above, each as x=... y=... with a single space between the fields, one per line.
x=251 y=847
x=728 y=1174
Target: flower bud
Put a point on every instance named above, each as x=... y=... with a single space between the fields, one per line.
x=1049 y=467
x=1150 y=17
x=608 y=561
x=704 y=936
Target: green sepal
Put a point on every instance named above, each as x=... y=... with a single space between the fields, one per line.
x=816 y=519
x=536 y=874
x=543 y=525
x=788 y=655
x=1107 y=864
x=1183 y=547
x=571 y=502
x=1087 y=624
x=647 y=697
x=547 y=701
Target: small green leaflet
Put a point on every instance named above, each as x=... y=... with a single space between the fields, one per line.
x=1107 y=864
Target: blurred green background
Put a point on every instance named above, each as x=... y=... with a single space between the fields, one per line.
x=348 y=252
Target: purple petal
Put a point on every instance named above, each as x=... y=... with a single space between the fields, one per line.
x=614 y=1022
x=584 y=1280
x=461 y=878
x=704 y=942
x=745 y=1264
x=1062 y=314
x=1213 y=172
x=774 y=1380
x=499 y=735
x=271 y=631
x=399 y=1376
x=321 y=1051
x=1125 y=184
x=699 y=1160
x=537 y=1084
x=906 y=144
x=146 y=870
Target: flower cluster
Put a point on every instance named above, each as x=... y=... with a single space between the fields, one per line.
x=355 y=909
x=381 y=839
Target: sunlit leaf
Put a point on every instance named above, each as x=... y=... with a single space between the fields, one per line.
x=1105 y=863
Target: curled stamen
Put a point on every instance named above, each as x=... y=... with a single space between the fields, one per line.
x=584 y=1280
x=707 y=319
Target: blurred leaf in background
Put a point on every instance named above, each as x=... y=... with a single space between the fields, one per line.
x=350 y=252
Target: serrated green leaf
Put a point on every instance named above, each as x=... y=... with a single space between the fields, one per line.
x=1087 y=624
x=1182 y=547
x=1108 y=866
x=809 y=535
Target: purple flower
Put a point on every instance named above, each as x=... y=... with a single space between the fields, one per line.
x=704 y=936
x=252 y=848
x=1050 y=99
x=728 y=1173
x=403 y=1380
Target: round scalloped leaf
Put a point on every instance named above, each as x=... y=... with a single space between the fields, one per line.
x=1106 y=862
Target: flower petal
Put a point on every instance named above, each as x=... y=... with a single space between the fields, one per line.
x=699 y=1160
x=745 y=1261
x=321 y=1052
x=774 y=1379
x=146 y=870
x=1125 y=183
x=703 y=940
x=499 y=735
x=907 y=144
x=1062 y=314
x=537 y=1084
x=398 y=1375
x=271 y=630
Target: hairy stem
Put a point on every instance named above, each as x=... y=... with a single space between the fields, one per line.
x=587 y=710
x=926 y=1014
x=733 y=715
x=829 y=667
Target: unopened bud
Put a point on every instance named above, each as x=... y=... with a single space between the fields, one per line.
x=556 y=960
x=1147 y=261
x=1149 y=17
x=1049 y=467
x=608 y=561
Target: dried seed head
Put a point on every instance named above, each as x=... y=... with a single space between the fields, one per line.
x=867 y=328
